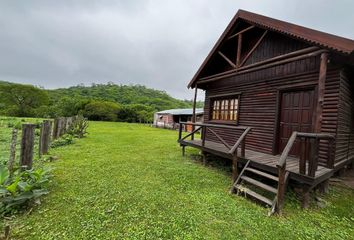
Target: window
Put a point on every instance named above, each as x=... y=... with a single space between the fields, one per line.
x=225 y=109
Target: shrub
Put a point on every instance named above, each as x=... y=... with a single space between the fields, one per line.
x=66 y=139
x=14 y=124
x=22 y=188
x=79 y=127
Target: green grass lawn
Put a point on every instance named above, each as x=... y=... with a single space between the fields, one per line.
x=129 y=181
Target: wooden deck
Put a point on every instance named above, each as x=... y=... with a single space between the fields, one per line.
x=266 y=162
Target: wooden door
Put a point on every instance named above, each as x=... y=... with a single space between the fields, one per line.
x=296 y=114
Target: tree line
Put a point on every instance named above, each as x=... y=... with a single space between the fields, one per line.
x=101 y=102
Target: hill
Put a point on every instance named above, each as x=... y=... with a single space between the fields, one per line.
x=107 y=102
x=122 y=94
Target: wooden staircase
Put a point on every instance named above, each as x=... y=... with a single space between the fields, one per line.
x=244 y=177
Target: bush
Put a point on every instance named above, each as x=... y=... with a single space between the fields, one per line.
x=79 y=127
x=22 y=188
x=66 y=139
x=14 y=124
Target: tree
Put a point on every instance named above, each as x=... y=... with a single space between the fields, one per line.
x=101 y=111
x=68 y=106
x=22 y=100
x=135 y=113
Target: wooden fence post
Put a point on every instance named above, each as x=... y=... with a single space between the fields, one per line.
x=12 y=158
x=44 y=139
x=27 y=143
x=62 y=126
x=69 y=123
x=56 y=128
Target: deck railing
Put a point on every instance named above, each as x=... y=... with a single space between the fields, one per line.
x=309 y=149
x=206 y=127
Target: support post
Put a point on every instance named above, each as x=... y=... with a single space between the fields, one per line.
x=44 y=139
x=12 y=158
x=204 y=158
x=180 y=131
x=27 y=143
x=281 y=188
x=323 y=187
x=203 y=135
x=183 y=150
x=234 y=168
x=194 y=106
x=321 y=90
x=305 y=203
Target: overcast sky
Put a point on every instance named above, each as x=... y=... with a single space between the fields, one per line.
x=157 y=43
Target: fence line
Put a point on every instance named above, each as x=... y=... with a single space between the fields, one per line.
x=48 y=132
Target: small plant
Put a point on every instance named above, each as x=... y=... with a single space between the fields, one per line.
x=14 y=124
x=79 y=127
x=66 y=139
x=21 y=189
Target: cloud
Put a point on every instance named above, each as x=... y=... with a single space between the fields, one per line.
x=157 y=43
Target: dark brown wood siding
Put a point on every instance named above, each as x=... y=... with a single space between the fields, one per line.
x=345 y=130
x=274 y=44
x=258 y=101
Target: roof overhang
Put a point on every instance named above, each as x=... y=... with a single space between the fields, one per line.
x=336 y=44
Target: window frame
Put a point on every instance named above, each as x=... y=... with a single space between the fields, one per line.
x=223 y=97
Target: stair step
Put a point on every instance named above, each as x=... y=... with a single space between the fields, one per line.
x=254 y=194
x=264 y=174
x=260 y=184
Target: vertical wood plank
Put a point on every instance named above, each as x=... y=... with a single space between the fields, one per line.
x=313 y=159
x=243 y=148
x=331 y=153
x=302 y=164
x=239 y=49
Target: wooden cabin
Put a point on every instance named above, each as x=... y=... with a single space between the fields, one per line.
x=171 y=118
x=279 y=104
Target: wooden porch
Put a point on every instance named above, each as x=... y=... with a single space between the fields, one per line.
x=264 y=161
x=307 y=169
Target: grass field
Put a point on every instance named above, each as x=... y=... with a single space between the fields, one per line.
x=129 y=181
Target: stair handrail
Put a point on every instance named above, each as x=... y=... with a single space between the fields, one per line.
x=291 y=141
x=240 y=140
x=282 y=173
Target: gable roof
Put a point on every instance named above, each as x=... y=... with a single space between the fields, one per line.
x=185 y=111
x=331 y=42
